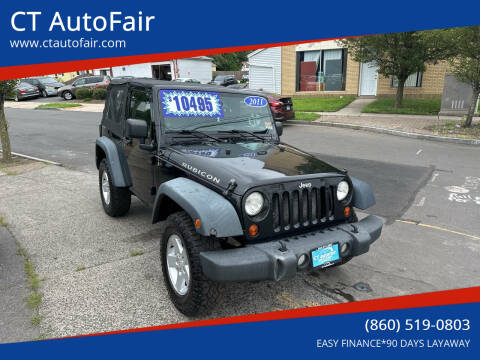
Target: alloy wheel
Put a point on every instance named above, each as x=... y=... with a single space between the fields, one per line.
x=177 y=264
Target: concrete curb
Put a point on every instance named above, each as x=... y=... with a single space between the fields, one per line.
x=36 y=159
x=387 y=131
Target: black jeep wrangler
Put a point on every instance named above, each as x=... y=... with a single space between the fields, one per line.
x=239 y=204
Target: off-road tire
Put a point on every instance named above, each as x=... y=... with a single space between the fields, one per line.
x=120 y=198
x=202 y=293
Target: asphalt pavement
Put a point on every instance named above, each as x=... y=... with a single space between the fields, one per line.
x=66 y=137
x=16 y=317
x=431 y=240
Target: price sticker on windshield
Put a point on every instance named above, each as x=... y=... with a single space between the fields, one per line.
x=186 y=103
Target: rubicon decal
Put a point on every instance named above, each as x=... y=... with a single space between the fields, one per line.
x=201 y=172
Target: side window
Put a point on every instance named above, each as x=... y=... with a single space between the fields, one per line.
x=140 y=107
x=79 y=82
x=115 y=109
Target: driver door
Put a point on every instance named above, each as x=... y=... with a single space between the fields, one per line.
x=140 y=162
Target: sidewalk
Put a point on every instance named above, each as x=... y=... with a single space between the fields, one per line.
x=442 y=128
x=410 y=123
x=354 y=108
x=33 y=104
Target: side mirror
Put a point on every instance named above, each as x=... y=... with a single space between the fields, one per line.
x=279 y=127
x=137 y=128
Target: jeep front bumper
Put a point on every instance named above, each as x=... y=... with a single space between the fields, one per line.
x=274 y=261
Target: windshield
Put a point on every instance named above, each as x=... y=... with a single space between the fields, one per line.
x=215 y=112
x=219 y=78
x=48 y=81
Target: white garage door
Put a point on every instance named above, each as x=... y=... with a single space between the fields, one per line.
x=261 y=77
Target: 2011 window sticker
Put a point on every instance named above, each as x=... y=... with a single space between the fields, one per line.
x=187 y=103
x=255 y=101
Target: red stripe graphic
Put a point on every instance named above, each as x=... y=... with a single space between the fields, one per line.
x=438 y=298
x=20 y=71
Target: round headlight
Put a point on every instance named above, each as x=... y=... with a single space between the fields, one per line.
x=342 y=190
x=254 y=203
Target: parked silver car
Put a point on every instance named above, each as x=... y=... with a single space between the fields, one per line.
x=47 y=85
x=24 y=90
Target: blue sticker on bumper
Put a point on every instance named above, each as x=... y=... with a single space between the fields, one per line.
x=325 y=256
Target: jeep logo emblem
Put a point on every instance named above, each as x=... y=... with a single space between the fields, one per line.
x=304 y=185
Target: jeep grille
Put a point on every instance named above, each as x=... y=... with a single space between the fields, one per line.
x=302 y=207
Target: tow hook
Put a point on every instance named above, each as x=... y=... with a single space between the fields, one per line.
x=282 y=247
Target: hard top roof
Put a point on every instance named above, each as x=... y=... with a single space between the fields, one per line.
x=163 y=84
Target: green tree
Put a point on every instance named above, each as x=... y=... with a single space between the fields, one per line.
x=466 y=65
x=230 y=61
x=7 y=88
x=400 y=54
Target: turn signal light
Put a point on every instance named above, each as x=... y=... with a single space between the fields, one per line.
x=346 y=211
x=198 y=223
x=253 y=230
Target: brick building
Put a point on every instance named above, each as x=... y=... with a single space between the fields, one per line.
x=327 y=69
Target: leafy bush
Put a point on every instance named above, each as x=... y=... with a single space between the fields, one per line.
x=99 y=94
x=83 y=93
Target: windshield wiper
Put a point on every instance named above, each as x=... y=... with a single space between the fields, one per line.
x=235 y=121
x=197 y=134
x=240 y=132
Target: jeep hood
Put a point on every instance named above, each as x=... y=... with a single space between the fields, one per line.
x=249 y=163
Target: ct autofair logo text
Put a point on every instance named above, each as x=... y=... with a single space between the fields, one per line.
x=200 y=172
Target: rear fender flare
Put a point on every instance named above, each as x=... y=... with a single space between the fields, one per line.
x=117 y=161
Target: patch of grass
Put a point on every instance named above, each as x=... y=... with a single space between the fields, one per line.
x=22 y=252
x=57 y=105
x=3 y=222
x=31 y=275
x=40 y=337
x=80 y=268
x=36 y=319
x=136 y=252
x=16 y=160
x=315 y=104
x=306 y=116
x=410 y=106
x=34 y=300
x=87 y=99
x=11 y=173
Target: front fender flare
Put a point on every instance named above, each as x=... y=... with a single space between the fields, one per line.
x=217 y=215
x=363 y=196
x=116 y=160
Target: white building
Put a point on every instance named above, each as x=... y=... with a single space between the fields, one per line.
x=265 y=70
x=199 y=68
